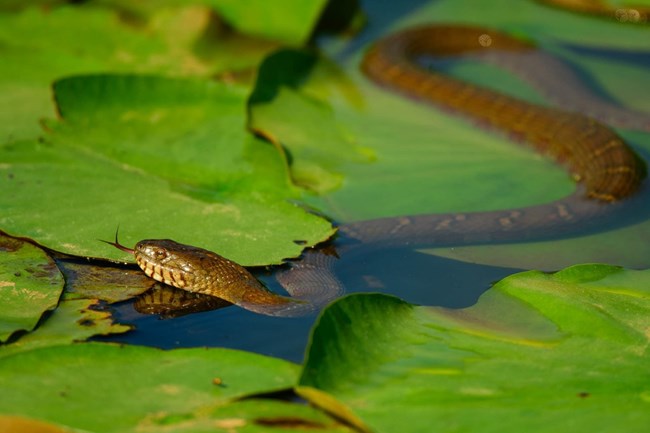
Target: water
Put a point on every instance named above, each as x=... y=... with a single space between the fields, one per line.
x=415 y=277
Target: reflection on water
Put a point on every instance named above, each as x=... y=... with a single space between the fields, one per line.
x=231 y=327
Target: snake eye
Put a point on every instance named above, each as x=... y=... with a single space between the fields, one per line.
x=153 y=249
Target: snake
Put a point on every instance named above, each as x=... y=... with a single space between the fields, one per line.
x=637 y=14
x=606 y=170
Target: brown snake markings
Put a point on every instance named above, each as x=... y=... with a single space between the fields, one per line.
x=605 y=167
x=636 y=14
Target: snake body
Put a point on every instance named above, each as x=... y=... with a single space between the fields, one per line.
x=201 y=271
x=632 y=14
x=606 y=169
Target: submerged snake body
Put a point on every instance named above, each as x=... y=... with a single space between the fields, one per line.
x=605 y=167
x=596 y=157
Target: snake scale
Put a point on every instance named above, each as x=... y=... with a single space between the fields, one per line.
x=604 y=167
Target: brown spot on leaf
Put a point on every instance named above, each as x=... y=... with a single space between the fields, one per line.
x=289 y=422
x=583 y=394
x=86 y=322
x=13 y=423
x=9 y=245
x=45 y=270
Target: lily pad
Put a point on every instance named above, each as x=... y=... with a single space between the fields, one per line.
x=10 y=423
x=305 y=125
x=254 y=415
x=536 y=350
x=148 y=388
x=42 y=43
x=107 y=282
x=39 y=46
x=30 y=285
x=250 y=415
x=74 y=320
x=162 y=158
x=272 y=20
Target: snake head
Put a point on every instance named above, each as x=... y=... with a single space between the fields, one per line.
x=155 y=250
x=170 y=262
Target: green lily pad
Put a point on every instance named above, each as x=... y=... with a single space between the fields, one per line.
x=535 y=351
x=272 y=20
x=10 y=423
x=39 y=46
x=146 y=387
x=42 y=43
x=30 y=285
x=250 y=415
x=74 y=320
x=305 y=125
x=162 y=158
x=254 y=415
x=423 y=155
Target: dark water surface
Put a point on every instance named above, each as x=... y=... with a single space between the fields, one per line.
x=415 y=277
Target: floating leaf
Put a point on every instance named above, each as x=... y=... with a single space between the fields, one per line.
x=272 y=20
x=146 y=387
x=304 y=125
x=536 y=350
x=255 y=415
x=73 y=321
x=164 y=158
x=40 y=44
x=103 y=281
x=30 y=285
x=10 y=423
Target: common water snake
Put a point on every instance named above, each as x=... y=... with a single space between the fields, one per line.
x=605 y=168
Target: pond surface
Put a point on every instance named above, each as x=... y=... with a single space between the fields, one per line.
x=416 y=277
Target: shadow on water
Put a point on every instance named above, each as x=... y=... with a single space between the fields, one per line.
x=634 y=58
